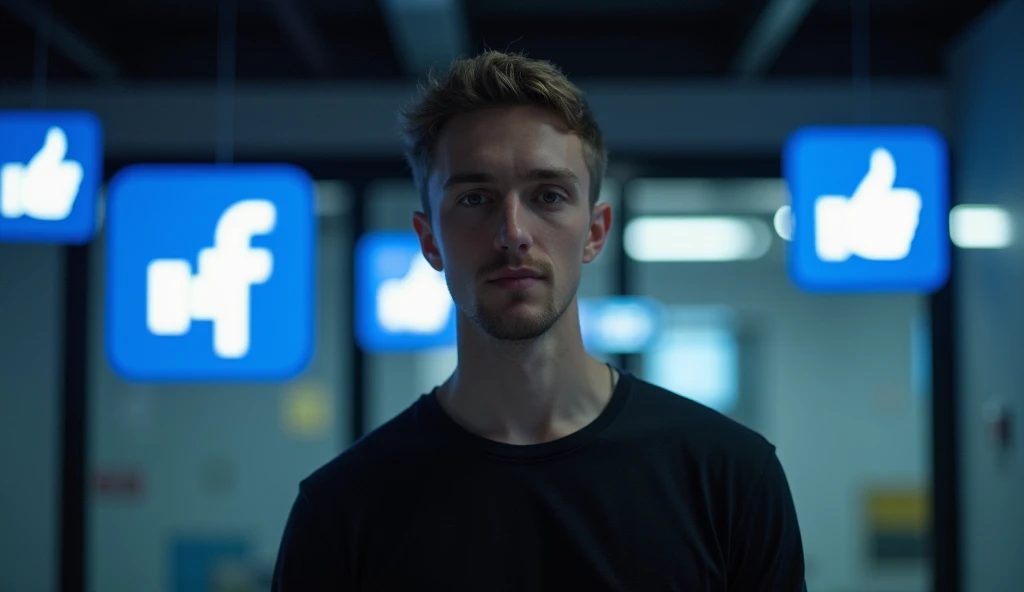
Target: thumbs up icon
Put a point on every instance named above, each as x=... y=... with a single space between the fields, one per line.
x=877 y=222
x=417 y=303
x=46 y=187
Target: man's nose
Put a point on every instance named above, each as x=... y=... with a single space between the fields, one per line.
x=513 y=234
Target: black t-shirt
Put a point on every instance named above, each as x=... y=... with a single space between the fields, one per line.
x=657 y=493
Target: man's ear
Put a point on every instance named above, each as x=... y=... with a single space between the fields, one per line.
x=600 y=226
x=428 y=244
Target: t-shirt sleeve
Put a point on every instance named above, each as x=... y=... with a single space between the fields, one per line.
x=767 y=550
x=310 y=559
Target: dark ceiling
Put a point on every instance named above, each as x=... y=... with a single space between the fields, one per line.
x=374 y=40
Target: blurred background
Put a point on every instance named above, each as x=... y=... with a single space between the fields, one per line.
x=892 y=413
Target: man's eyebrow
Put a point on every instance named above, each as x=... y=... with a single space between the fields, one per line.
x=533 y=175
x=463 y=178
x=552 y=175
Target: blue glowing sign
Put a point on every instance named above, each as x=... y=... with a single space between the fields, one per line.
x=619 y=324
x=870 y=209
x=210 y=273
x=51 y=166
x=402 y=303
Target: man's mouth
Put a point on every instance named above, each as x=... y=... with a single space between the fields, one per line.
x=516 y=278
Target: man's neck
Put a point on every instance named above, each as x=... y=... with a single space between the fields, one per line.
x=526 y=392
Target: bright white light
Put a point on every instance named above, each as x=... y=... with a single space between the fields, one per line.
x=783 y=222
x=696 y=238
x=980 y=227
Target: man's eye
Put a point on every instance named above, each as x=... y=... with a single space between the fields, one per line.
x=472 y=199
x=552 y=197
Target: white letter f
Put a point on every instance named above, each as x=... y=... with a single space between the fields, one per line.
x=220 y=289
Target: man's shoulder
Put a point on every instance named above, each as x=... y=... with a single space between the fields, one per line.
x=696 y=430
x=385 y=450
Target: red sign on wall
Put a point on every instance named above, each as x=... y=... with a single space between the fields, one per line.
x=117 y=483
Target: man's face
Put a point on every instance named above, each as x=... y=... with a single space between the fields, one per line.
x=511 y=223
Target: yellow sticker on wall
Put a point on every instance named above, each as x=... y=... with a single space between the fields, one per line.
x=307 y=411
x=898 y=524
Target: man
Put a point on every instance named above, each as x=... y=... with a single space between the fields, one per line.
x=534 y=466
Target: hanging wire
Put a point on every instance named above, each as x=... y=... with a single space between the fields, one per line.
x=226 y=50
x=42 y=55
x=860 y=21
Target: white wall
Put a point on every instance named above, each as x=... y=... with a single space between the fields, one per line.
x=31 y=338
x=831 y=386
x=988 y=88
x=215 y=460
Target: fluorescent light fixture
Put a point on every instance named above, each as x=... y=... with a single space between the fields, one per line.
x=980 y=227
x=783 y=222
x=696 y=238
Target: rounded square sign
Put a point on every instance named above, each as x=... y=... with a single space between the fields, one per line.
x=210 y=272
x=51 y=165
x=402 y=303
x=870 y=209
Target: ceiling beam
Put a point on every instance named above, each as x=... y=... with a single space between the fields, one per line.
x=70 y=42
x=304 y=37
x=332 y=120
x=427 y=33
x=774 y=28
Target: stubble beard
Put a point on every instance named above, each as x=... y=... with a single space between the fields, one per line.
x=508 y=325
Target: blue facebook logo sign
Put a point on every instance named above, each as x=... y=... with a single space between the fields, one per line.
x=210 y=273
x=402 y=303
x=870 y=209
x=50 y=170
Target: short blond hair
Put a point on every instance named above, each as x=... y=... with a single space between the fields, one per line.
x=493 y=79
